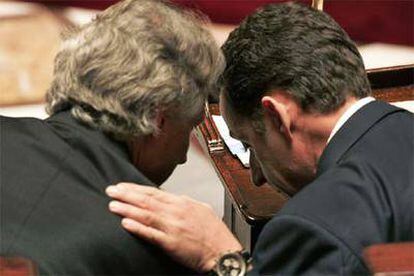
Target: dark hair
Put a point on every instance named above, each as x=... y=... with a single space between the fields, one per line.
x=295 y=48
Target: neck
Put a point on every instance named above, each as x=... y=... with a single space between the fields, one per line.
x=314 y=129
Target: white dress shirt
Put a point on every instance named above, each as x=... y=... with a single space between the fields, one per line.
x=348 y=113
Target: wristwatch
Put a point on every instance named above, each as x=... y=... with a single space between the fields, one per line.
x=236 y=263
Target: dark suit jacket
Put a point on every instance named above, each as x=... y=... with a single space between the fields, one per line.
x=363 y=195
x=53 y=206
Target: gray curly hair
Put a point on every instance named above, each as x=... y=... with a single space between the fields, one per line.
x=135 y=58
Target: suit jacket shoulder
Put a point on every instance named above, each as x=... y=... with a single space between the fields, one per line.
x=360 y=197
x=54 y=208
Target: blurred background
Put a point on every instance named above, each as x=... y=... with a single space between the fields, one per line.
x=30 y=38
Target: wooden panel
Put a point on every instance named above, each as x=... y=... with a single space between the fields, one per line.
x=393 y=84
x=17 y=266
x=392 y=258
x=391 y=77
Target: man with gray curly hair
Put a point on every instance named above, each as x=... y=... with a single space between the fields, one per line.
x=128 y=89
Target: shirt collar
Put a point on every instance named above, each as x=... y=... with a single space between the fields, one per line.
x=348 y=113
x=353 y=130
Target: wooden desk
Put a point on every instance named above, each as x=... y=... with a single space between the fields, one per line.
x=247 y=207
x=17 y=266
x=391 y=258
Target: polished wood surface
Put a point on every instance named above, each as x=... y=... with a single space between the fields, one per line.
x=391 y=259
x=392 y=84
x=17 y=266
x=247 y=207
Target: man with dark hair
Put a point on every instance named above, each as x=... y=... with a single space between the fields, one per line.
x=298 y=54
x=296 y=93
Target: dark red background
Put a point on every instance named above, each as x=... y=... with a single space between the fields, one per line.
x=390 y=21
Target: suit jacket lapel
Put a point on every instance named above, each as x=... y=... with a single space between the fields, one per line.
x=352 y=131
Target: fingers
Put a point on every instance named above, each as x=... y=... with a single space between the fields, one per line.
x=142 y=223
x=131 y=191
x=148 y=233
x=139 y=188
x=140 y=215
x=148 y=190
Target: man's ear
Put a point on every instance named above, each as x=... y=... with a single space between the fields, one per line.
x=278 y=113
x=160 y=120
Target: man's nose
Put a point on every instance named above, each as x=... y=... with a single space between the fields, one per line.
x=256 y=173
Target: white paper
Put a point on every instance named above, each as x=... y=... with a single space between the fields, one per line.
x=234 y=145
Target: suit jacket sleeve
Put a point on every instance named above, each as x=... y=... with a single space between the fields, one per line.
x=293 y=245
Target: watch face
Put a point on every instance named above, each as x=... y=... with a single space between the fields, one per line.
x=231 y=264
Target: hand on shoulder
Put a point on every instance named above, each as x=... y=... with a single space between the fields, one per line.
x=188 y=230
